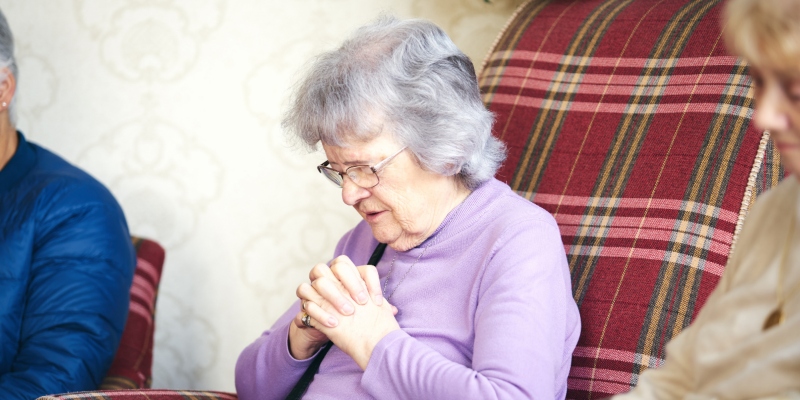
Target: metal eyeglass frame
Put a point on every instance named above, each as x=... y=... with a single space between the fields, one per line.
x=337 y=178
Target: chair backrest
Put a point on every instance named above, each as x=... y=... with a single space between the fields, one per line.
x=133 y=363
x=628 y=121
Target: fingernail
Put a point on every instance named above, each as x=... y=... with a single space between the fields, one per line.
x=378 y=299
x=362 y=297
x=332 y=321
x=347 y=308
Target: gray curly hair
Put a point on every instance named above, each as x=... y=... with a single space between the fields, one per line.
x=7 y=60
x=410 y=77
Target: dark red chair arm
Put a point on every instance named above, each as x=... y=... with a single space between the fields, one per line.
x=146 y=394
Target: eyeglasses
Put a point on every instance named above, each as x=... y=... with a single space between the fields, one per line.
x=362 y=175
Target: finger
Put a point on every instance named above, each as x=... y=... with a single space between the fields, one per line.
x=298 y=321
x=350 y=278
x=309 y=334
x=320 y=270
x=320 y=316
x=313 y=299
x=369 y=274
x=331 y=292
x=308 y=295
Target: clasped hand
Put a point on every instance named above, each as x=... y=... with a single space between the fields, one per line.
x=346 y=306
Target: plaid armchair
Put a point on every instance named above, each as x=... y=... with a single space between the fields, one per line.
x=130 y=375
x=628 y=121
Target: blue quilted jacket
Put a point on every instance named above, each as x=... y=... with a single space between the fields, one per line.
x=66 y=265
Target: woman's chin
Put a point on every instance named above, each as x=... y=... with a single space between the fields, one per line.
x=384 y=235
x=380 y=233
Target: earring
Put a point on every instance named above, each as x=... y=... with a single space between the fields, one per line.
x=4 y=104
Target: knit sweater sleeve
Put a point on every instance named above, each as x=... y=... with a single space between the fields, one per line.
x=265 y=369
x=520 y=323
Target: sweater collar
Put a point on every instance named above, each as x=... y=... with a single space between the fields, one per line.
x=19 y=165
x=467 y=209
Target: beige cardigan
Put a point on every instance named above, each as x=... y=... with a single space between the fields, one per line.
x=725 y=354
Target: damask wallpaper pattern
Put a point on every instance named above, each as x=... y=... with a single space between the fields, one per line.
x=175 y=105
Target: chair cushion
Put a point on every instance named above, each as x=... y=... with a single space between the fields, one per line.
x=628 y=121
x=151 y=394
x=132 y=366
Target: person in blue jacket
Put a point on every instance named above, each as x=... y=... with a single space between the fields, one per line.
x=66 y=263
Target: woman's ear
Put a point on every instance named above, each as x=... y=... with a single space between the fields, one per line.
x=7 y=89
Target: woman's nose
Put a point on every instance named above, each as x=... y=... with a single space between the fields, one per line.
x=770 y=114
x=352 y=193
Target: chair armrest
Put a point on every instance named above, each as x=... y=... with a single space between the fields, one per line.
x=145 y=394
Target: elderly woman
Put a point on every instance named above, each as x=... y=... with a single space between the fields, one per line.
x=472 y=297
x=745 y=343
x=66 y=263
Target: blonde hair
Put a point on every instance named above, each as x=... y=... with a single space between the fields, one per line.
x=766 y=33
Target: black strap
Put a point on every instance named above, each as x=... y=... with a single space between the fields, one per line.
x=305 y=381
x=377 y=254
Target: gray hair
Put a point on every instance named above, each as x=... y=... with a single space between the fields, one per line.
x=7 y=60
x=407 y=76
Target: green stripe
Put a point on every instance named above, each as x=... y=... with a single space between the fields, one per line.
x=548 y=123
x=677 y=288
x=771 y=173
x=630 y=135
x=506 y=45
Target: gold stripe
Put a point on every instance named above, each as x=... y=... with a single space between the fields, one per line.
x=499 y=37
x=117 y=382
x=537 y=131
x=528 y=71
x=597 y=109
x=777 y=167
x=579 y=288
x=637 y=136
x=716 y=193
x=617 y=187
x=670 y=270
x=571 y=88
x=510 y=45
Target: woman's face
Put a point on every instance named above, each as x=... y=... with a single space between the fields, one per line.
x=408 y=204
x=778 y=111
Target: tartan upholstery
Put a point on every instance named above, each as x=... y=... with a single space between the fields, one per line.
x=628 y=121
x=132 y=365
x=150 y=394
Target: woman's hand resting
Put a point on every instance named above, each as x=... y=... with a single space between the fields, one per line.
x=346 y=306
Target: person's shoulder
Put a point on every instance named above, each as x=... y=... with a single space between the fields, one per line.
x=70 y=214
x=58 y=183
x=774 y=204
x=504 y=206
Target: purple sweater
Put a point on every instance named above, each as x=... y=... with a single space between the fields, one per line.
x=487 y=313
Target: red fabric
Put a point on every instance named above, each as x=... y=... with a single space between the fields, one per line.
x=132 y=366
x=629 y=122
x=152 y=394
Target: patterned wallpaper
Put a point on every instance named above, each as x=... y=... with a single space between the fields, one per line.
x=175 y=106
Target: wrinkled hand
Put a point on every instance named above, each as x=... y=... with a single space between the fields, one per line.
x=356 y=334
x=341 y=284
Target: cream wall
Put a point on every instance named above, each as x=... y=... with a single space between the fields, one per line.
x=175 y=106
